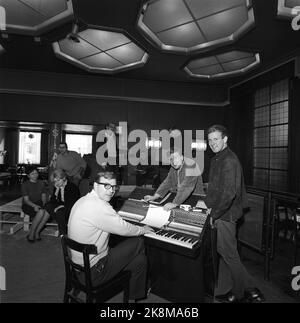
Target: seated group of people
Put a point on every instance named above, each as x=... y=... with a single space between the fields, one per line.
x=92 y=218
x=39 y=208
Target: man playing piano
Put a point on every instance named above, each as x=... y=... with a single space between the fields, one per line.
x=184 y=178
x=226 y=197
x=92 y=220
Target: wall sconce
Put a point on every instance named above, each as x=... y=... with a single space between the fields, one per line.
x=153 y=143
x=199 y=145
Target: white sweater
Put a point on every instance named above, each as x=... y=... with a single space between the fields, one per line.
x=91 y=222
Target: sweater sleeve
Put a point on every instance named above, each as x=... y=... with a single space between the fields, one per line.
x=111 y=222
x=166 y=185
x=185 y=190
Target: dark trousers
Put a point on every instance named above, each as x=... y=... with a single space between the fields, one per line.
x=128 y=255
x=61 y=219
x=232 y=273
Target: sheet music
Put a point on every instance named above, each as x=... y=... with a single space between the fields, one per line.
x=156 y=216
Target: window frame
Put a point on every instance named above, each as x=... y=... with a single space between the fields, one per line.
x=40 y=144
x=272 y=147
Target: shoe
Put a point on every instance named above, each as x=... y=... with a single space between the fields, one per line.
x=227 y=298
x=132 y=301
x=38 y=238
x=29 y=240
x=254 y=295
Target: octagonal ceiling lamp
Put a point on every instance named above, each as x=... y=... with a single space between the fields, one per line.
x=99 y=50
x=188 y=26
x=288 y=8
x=35 y=17
x=227 y=64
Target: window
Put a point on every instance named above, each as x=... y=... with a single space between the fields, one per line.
x=30 y=147
x=270 y=137
x=81 y=143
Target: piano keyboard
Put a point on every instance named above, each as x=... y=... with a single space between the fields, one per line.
x=173 y=238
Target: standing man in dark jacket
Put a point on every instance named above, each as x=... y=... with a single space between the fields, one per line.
x=226 y=197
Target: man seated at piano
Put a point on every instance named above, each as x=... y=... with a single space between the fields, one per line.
x=92 y=220
x=184 y=178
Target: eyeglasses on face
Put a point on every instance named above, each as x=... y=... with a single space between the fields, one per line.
x=108 y=186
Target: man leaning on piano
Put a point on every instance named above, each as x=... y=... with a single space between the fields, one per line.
x=184 y=178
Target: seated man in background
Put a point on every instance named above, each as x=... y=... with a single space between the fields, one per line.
x=184 y=178
x=71 y=162
x=92 y=220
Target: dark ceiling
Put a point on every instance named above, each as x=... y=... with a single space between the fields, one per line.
x=272 y=37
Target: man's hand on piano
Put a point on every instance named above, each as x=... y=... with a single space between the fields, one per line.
x=169 y=206
x=147 y=229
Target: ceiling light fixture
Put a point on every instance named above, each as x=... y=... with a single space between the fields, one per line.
x=288 y=9
x=35 y=17
x=101 y=50
x=189 y=26
x=226 y=64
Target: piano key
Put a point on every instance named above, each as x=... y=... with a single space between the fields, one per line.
x=167 y=237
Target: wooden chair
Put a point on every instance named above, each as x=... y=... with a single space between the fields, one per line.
x=283 y=221
x=74 y=285
x=288 y=225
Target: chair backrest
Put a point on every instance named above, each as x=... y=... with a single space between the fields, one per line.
x=72 y=269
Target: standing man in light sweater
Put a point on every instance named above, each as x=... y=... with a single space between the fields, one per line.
x=71 y=163
x=92 y=220
x=184 y=178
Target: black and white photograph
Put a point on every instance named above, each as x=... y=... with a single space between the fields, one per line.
x=149 y=154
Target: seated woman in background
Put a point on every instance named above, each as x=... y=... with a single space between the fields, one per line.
x=34 y=199
x=64 y=196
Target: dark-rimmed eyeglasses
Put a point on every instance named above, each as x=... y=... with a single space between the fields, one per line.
x=109 y=186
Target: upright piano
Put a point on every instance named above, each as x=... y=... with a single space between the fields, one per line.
x=180 y=263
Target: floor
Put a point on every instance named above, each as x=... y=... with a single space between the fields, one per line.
x=35 y=272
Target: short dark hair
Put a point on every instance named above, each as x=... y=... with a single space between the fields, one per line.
x=219 y=128
x=106 y=174
x=30 y=169
x=111 y=125
x=63 y=143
